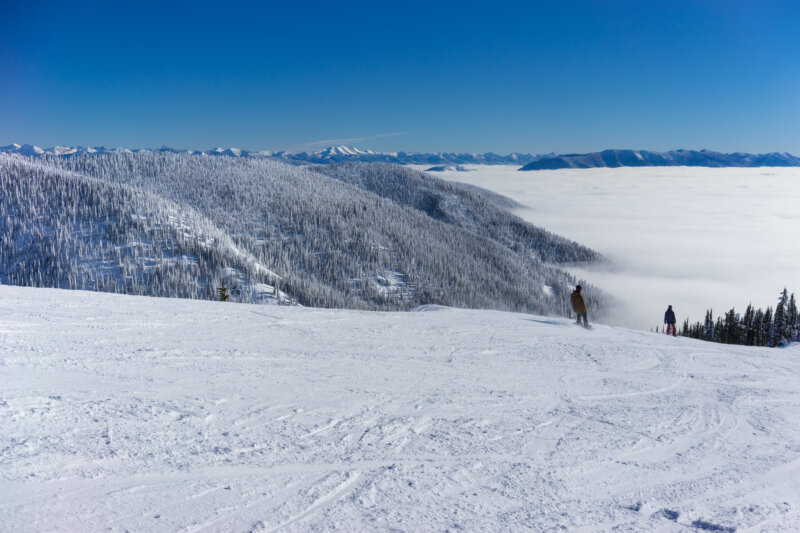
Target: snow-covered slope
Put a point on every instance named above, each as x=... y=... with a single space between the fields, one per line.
x=145 y=414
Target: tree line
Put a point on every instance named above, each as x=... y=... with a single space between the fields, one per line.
x=756 y=327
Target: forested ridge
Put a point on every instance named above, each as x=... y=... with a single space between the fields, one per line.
x=365 y=236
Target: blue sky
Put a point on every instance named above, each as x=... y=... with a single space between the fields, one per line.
x=416 y=76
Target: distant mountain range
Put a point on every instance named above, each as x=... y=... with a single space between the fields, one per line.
x=453 y=161
x=644 y=158
x=331 y=154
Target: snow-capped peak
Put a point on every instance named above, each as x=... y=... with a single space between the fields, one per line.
x=343 y=150
x=232 y=152
x=62 y=150
x=29 y=149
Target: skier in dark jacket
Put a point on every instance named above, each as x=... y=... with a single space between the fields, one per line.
x=579 y=306
x=669 y=320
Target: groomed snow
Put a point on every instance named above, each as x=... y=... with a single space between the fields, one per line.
x=144 y=414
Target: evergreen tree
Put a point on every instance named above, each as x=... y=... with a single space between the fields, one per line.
x=779 y=336
x=748 y=326
x=708 y=326
x=793 y=320
x=766 y=327
x=758 y=328
x=718 y=334
x=731 y=334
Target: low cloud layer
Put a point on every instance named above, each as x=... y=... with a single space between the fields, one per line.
x=695 y=238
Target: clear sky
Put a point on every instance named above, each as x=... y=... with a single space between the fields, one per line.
x=566 y=76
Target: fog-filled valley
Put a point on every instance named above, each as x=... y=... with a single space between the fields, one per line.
x=695 y=238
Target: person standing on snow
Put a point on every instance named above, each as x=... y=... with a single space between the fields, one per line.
x=669 y=320
x=579 y=306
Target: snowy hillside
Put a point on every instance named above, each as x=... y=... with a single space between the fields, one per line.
x=144 y=414
x=365 y=236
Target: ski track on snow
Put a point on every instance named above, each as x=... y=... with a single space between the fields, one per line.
x=175 y=415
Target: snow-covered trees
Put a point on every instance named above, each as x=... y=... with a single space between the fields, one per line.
x=62 y=229
x=368 y=236
x=756 y=327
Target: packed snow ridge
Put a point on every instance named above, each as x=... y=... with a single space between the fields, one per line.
x=155 y=414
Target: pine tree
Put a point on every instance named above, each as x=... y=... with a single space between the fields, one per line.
x=708 y=326
x=731 y=328
x=793 y=320
x=758 y=334
x=718 y=334
x=780 y=335
x=749 y=333
x=766 y=328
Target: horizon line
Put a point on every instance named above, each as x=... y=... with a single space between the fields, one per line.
x=336 y=145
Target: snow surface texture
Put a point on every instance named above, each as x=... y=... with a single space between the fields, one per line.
x=146 y=414
x=695 y=238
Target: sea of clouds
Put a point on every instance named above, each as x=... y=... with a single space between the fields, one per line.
x=695 y=238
